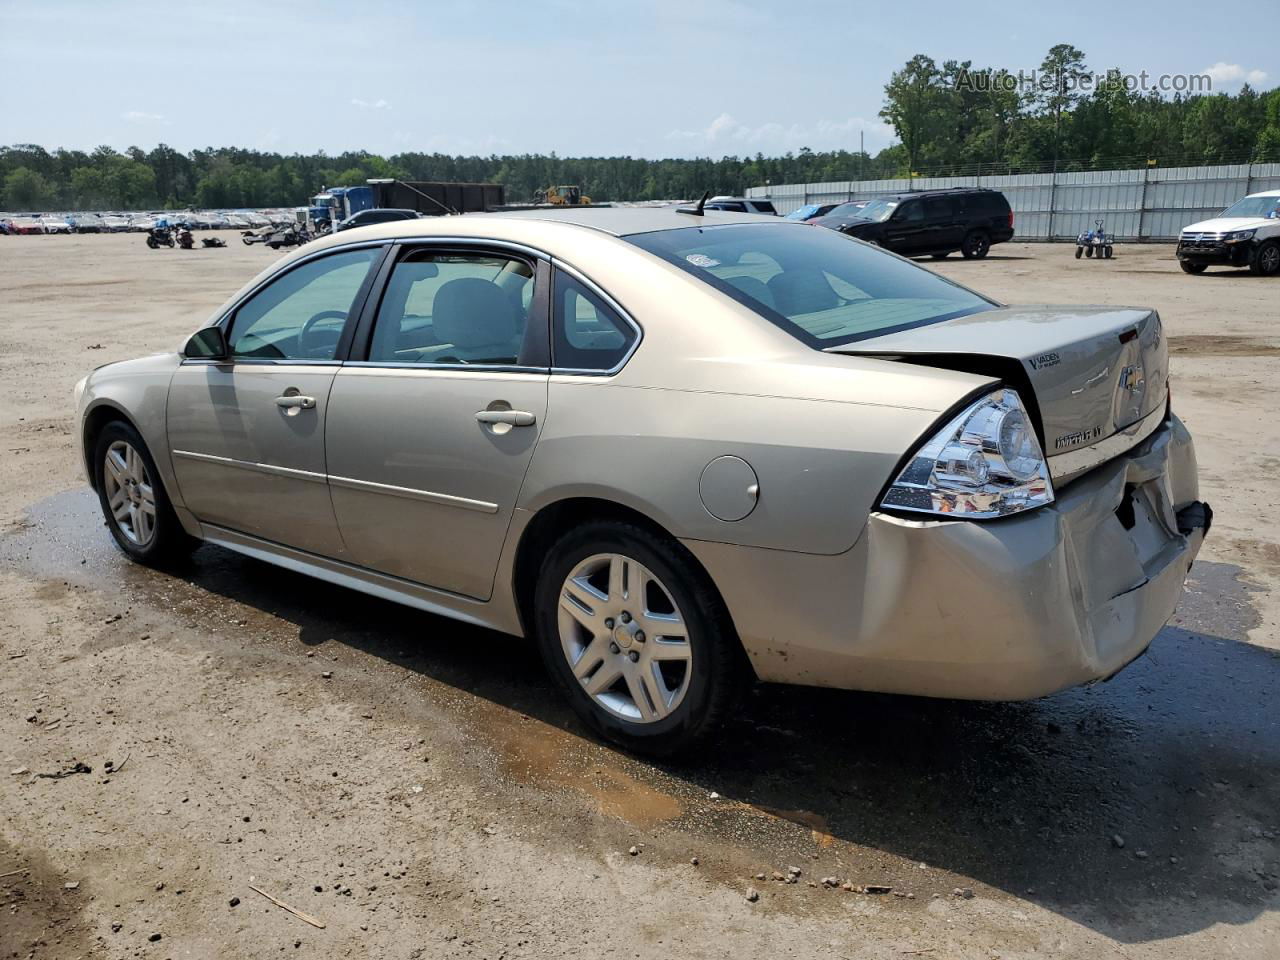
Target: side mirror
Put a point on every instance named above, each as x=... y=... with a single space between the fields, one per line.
x=207 y=344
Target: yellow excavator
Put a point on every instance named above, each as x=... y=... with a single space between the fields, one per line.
x=566 y=195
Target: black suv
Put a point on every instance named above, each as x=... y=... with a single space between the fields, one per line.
x=934 y=222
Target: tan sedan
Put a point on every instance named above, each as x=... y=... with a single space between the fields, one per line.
x=681 y=451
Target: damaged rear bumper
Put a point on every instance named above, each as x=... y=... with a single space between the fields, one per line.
x=1004 y=610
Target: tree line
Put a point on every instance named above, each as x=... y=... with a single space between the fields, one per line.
x=950 y=118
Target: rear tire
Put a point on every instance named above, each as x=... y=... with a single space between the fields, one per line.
x=976 y=246
x=1189 y=267
x=621 y=596
x=1264 y=260
x=1088 y=252
x=134 y=501
x=1107 y=251
x=1079 y=252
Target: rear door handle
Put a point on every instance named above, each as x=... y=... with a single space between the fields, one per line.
x=296 y=402
x=516 y=418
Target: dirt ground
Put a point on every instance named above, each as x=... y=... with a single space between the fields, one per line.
x=415 y=786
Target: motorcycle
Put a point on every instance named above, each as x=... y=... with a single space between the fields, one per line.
x=250 y=237
x=158 y=237
x=288 y=237
x=212 y=242
x=185 y=240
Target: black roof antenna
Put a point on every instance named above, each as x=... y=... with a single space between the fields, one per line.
x=696 y=211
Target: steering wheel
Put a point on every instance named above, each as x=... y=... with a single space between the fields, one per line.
x=308 y=329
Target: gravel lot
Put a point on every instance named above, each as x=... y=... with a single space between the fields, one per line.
x=415 y=786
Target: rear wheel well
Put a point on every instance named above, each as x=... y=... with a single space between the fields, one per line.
x=94 y=421
x=549 y=524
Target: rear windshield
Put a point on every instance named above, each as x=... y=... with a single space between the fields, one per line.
x=822 y=287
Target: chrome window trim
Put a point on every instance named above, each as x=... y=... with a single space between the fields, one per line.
x=269 y=469
x=1070 y=464
x=618 y=308
x=410 y=493
x=475 y=242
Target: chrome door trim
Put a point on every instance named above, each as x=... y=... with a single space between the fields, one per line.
x=618 y=308
x=266 y=468
x=349 y=575
x=392 y=366
x=409 y=493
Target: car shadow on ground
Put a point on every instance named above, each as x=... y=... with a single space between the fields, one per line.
x=1145 y=808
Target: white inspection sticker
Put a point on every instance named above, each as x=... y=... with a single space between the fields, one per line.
x=702 y=260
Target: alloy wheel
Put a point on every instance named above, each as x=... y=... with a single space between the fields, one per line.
x=130 y=493
x=624 y=638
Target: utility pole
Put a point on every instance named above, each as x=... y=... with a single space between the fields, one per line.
x=862 y=150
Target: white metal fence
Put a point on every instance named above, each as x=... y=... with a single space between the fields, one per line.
x=1148 y=204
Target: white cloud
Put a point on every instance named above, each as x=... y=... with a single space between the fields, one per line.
x=370 y=104
x=141 y=116
x=724 y=133
x=1231 y=74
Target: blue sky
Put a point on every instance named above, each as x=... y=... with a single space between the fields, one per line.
x=664 y=78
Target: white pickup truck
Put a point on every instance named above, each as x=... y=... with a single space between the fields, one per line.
x=1246 y=234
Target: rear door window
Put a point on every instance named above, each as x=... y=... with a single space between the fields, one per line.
x=586 y=332
x=457 y=309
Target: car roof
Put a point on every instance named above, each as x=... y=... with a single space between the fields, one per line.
x=1266 y=193
x=945 y=192
x=618 y=221
x=372 y=210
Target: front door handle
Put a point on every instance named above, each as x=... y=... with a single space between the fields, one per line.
x=515 y=418
x=296 y=402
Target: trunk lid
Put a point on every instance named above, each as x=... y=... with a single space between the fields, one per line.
x=1086 y=373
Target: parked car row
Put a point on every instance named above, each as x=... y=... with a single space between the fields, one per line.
x=46 y=223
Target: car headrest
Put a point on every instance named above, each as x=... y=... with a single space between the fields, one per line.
x=754 y=288
x=471 y=312
x=805 y=290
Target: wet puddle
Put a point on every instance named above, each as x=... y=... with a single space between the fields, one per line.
x=1179 y=754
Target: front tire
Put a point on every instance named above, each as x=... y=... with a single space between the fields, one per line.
x=1189 y=267
x=134 y=501
x=637 y=637
x=1264 y=260
x=976 y=246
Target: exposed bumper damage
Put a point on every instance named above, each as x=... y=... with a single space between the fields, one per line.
x=1003 y=610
